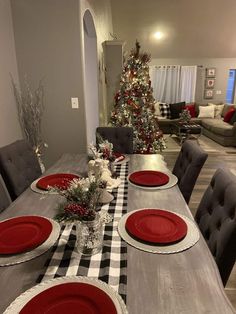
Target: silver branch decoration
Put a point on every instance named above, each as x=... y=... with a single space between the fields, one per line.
x=30 y=107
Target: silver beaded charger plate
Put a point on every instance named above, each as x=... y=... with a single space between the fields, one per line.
x=7 y=260
x=173 y=180
x=17 y=305
x=190 y=239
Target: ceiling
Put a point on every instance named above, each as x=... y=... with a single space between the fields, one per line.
x=191 y=28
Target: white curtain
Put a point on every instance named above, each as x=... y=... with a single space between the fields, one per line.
x=173 y=83
x=166 y=83
x=188 y=83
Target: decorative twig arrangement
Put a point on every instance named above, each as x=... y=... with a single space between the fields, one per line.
x=30 y=110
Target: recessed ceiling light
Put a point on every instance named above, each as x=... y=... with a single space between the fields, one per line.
x=158 y=35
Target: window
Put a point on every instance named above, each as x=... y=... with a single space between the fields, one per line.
x=231 y=86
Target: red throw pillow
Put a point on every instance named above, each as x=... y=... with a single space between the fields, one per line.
x=229 y=115
x=191 y=109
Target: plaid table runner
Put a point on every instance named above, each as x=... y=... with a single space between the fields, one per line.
x=110 y=265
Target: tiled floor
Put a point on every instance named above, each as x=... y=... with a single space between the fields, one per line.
x=218 y=156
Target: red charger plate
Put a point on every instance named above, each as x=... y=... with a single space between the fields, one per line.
x=61 y=180
x=156 y=226
x=72 y=297
x=149 y=178
x=21 y=234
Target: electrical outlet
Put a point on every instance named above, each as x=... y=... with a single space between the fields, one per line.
x=74 y=102
x=218 y=92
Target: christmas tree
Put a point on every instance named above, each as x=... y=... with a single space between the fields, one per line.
x=134 y=104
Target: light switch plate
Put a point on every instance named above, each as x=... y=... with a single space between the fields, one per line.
x=74 y=103
x=218 y=92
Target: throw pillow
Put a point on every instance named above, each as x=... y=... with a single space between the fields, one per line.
x=165 y=110
x=233 y=119
x=218 y=110
x=206 y=112
x=229 y=115
x=176 y=109
x=157 y=108
x=191 y=109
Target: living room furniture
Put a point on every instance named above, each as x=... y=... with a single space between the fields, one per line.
x=185 y=131
x=188 y=165
x=215 y=128
x=19 y=167
x=216 y=218
x=120 y=137
x=188 y=281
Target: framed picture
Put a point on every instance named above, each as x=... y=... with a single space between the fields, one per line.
x=209 y=83
x=210 y=72
x=208 y=93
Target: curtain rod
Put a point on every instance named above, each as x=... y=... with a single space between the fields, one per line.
x=158 y=66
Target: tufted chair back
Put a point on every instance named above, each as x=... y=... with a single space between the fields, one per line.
x=120 y=137
x=188 y=166
x=216 y=218
x=5 y=199
x=19 y=167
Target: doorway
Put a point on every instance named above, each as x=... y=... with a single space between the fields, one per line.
x=91 y=77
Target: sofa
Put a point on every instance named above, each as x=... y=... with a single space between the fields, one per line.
x=215 y=128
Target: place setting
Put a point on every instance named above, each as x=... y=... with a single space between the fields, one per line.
x=65 y=294
x=152 y=179
x=26 y=237
x=158 y=230
x=45 y=184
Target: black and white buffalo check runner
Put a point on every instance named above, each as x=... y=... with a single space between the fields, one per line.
x=110 y=265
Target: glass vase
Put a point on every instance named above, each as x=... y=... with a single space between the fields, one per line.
x=90 y=236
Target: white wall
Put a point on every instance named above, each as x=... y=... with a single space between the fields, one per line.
x=9 y=124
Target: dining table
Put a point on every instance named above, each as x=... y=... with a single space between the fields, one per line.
x=181 y=282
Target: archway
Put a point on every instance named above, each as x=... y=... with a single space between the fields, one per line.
x=91 y=76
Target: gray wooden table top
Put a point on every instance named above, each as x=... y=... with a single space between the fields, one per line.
x=186 y=282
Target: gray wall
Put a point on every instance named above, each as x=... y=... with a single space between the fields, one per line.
x=9 y=124
x=222 y=66
x=49 y=45
x=47 y=35
x=191 y=28
x=101 y=11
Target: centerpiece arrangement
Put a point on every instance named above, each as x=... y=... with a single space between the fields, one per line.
x=185 y=116
x=81 y=205
x=104 y=150
x=102 y=161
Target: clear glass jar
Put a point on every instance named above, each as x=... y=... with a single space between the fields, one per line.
x=90 y=236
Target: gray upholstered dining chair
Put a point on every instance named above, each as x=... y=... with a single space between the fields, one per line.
x=120 y=137
x=188 y=166
x=19 y=167
x=5 y=199
x=216 y=218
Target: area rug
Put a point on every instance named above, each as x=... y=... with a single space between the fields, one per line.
x=173 y=145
